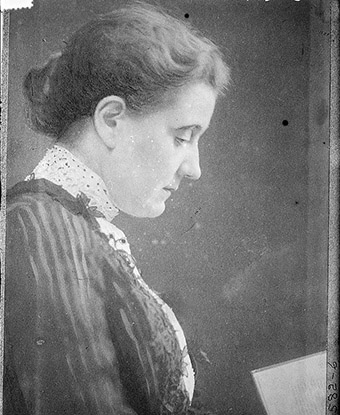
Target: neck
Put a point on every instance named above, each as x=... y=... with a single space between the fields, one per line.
x=82 y=141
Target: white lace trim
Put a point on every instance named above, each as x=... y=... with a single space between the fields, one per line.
x=62 y=168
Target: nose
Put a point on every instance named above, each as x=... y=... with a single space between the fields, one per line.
x=191 y=164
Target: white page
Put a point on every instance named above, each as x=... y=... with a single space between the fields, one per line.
x=296 y=387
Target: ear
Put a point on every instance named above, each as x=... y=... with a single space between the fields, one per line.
x=107 y=117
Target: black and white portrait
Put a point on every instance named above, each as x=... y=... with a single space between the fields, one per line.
x=165 y=219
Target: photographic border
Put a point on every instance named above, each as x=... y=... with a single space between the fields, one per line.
x=333 y=213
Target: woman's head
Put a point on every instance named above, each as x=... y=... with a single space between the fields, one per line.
x=144 y=158
x=137 y=53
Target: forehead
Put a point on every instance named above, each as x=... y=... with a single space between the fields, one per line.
x=191 y=105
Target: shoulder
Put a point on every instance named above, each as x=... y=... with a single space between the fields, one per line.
x=55 y=230
x=39 y=212
x=39 y=194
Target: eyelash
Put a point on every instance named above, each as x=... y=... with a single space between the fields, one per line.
x=185 y=138
x=181 y=141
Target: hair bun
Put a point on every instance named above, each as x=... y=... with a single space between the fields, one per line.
x=37 y=87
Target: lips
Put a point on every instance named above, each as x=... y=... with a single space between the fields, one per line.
x=171 y=189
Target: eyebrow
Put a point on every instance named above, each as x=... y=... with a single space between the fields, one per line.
x=188 y=127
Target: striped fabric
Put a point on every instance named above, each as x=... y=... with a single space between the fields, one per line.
x=83 y=335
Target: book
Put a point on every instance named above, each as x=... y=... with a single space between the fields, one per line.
x=295 y=387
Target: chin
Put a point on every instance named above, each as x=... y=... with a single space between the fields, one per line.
x=149 y=211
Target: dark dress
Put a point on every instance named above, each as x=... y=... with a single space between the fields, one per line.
x=83 y=334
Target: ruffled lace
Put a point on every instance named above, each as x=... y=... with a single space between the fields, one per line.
x=62 y=168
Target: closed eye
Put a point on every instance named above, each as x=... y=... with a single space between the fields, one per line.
x=181 y=140
x=184 y=136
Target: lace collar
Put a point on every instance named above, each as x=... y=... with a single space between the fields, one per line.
x=62 y=168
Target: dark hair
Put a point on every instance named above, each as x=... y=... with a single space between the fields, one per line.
x=139 y=53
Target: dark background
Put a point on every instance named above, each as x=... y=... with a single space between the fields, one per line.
x=241 y=255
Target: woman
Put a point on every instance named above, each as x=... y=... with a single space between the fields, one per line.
x=127 y=101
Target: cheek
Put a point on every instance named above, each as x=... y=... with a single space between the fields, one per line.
x=156 y=159
x=152 y=177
